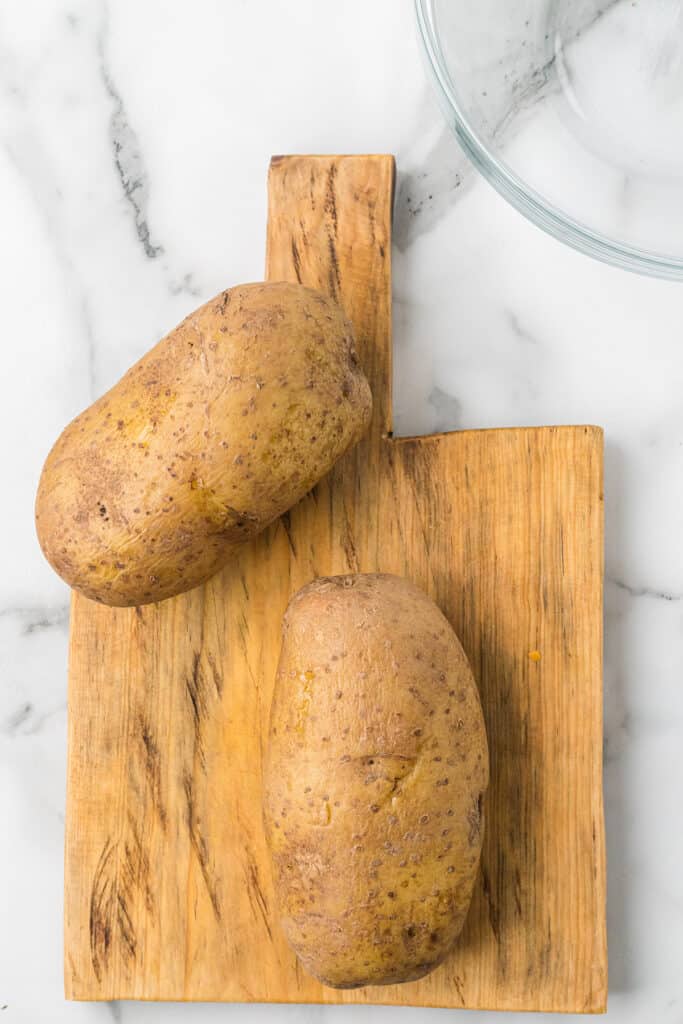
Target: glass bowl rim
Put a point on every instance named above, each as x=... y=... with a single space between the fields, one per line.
x=538 y=210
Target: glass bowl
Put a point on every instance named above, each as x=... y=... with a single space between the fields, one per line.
x=573 y=111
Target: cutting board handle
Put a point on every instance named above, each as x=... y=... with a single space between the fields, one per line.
x=329 y=227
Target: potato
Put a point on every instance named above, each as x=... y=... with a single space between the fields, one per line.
x=375 y=776
x=217 y=431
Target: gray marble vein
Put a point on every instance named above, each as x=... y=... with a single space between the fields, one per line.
x=447 y=410
x=127 y=154
x=642 y=591
x=34 y=620
x=426 y=192
x=519 y=330
x=27 y=720
x=116 y=1010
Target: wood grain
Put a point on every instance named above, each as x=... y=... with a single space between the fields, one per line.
x=168 y=887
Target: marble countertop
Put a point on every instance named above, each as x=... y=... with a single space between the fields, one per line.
x=134 y=143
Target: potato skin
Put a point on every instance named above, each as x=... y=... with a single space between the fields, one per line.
x=376 y=770
x=218 y=430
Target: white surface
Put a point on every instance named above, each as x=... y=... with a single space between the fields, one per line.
x=496 y=324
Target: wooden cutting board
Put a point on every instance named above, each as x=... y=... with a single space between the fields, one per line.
x=168 y=886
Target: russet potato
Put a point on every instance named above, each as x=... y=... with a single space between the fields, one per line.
x=217 y=431
x=375 y=776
